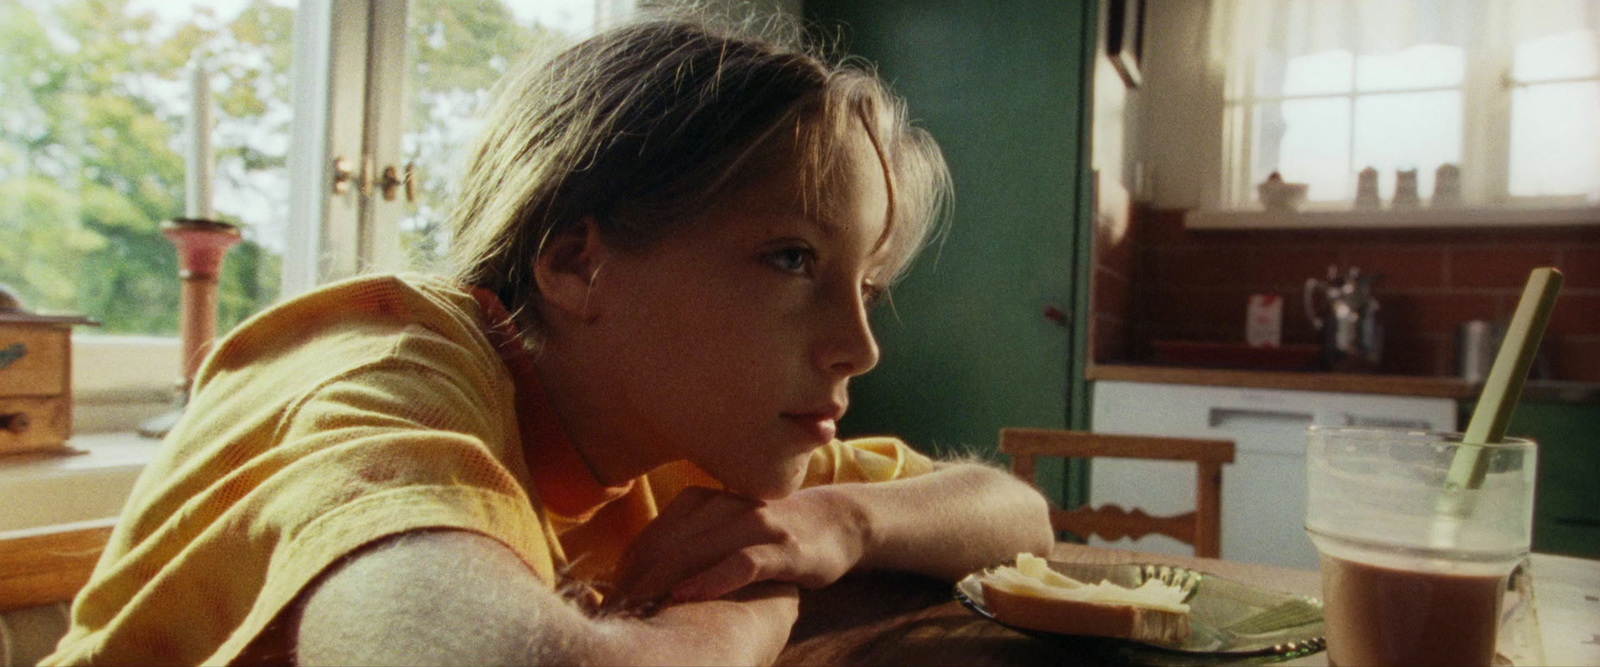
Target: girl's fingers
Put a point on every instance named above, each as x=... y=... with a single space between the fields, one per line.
x=695 y=533
x=702 y=514
x=708 y=544
x=737 y=556
x=740 y=569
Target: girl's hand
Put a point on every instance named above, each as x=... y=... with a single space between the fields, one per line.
x=709 y=543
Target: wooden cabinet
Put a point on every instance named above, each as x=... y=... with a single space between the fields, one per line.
x=35 y=381
x=1566 y=517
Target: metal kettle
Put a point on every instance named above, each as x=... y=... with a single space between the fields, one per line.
x=1345 y=311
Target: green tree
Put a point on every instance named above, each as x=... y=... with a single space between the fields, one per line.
x=92 y=164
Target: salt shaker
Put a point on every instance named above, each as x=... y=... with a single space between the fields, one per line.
x=1405 y=189
x=1367 y=189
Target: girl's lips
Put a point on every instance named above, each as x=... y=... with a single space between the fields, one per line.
x=821 y=427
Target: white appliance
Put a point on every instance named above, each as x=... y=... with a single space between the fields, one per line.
x=1263 y=490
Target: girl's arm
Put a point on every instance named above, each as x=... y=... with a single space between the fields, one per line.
x=948 y=523
x=456 y=597
x=959 y=518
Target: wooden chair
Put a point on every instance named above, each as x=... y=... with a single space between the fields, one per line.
x=1201 y=528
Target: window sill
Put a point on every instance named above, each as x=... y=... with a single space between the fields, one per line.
x=1388 y=219
x=118 y=382
x=50 y=492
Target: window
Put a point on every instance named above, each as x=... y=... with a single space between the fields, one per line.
x=94 y=102
x=1508 y=91
x=395 y=88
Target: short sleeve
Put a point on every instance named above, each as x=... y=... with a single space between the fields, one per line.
x=268 y=494
x=871 y=459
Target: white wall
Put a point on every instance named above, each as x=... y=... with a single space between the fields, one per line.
x=1111 y=152
x=1177 y=133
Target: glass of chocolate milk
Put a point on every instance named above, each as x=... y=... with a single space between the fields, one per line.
x=1415 y=563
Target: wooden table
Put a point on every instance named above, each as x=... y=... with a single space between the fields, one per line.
x=896 y=619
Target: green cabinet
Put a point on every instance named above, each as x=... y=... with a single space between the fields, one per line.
x=1567 y=502
x=967 y=346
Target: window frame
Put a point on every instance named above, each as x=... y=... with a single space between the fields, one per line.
x=349 y=87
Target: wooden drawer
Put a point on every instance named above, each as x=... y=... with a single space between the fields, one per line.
x=33 y=360
x=49 y=422
x=36 y=381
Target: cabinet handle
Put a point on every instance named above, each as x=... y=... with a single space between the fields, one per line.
x=1055 y=314
x=16 y=422
x=1389 y=422
x=11 y=354
x=1233 y=416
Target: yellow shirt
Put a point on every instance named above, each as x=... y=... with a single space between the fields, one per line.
x=368 y=408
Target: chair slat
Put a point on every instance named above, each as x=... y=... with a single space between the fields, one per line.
x=1201 y=528
x=1112 y=522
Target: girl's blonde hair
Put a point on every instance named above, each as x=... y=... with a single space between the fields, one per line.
x=642 y=126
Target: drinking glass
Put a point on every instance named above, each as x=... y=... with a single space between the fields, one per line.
x=1415 y=559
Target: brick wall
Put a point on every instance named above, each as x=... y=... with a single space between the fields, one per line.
x=1111 y=301
x=1159 y=281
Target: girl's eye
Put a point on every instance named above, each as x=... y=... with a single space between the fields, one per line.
x=792 y=260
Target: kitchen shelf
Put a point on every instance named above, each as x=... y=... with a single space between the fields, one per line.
x=1421 y=218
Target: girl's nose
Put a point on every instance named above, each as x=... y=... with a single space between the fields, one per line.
x=847 y=347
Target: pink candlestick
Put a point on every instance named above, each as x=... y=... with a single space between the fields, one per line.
x=201 y=247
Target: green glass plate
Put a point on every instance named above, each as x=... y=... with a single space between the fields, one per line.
x=1230 y=622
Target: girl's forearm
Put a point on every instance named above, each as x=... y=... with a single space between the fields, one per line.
x=948 y=523
x=457 y=597
x=748 y=627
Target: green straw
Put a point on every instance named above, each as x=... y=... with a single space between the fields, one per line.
x=1503 y=388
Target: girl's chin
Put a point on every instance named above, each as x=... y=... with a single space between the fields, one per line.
x=772 y=488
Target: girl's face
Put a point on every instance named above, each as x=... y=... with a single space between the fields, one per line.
x=735 y=338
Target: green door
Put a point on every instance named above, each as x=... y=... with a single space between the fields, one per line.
x=967 y=345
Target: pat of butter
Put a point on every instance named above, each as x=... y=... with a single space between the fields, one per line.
x=1032 y=576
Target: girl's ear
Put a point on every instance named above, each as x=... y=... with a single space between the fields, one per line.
x=566 y=267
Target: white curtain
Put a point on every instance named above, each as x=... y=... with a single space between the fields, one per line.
x=1295 y=28
x=1367 y=27
x=1538 y=19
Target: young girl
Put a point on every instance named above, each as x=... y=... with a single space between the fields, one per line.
x=609 y=437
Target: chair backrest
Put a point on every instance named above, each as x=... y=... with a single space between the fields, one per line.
x=1201 y=528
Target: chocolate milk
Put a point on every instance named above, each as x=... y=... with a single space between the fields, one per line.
x=1384 y=616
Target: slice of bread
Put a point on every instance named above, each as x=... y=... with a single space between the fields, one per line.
x=1074 y=617
x=1032 y=595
